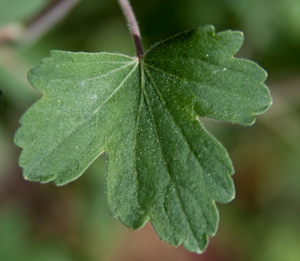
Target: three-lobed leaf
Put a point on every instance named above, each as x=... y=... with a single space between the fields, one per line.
x=163 y=166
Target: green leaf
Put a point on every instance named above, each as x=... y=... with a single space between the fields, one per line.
x=163 y=166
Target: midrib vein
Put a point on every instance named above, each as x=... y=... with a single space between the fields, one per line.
x=165 y=163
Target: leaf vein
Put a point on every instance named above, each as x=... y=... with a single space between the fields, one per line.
x=80 y=124
x=166 y=164
x=176 y=125
x=185 y=82
x=163 y=102
x=203 y=59
x=135 y=136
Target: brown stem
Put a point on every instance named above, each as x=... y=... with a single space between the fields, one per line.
x=54 y=12
x=133 y=26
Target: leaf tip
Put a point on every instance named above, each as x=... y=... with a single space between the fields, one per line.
x=208 y=29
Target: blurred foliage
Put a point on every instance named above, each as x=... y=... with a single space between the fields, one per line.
x=14 y=11
x=42 y=222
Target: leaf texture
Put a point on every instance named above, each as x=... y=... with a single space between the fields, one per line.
x=163 y=166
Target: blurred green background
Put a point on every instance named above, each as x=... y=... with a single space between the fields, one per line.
x=44 y=222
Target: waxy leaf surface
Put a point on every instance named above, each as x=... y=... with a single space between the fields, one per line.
x=163 y=166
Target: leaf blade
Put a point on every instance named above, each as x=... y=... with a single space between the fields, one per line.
x=70 y=114
x=213 y=75
x=163 y=166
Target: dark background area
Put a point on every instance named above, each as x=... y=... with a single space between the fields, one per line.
x=44 y=222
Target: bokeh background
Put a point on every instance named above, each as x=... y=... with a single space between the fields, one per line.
x=44 y=222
